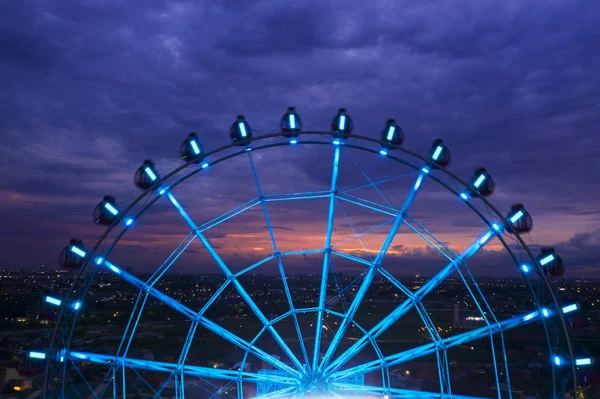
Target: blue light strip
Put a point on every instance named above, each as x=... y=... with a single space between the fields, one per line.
x=583 y=362
x=569 y=308
x=342 y=124
x=402 y=309
x=240 y=289
x=111 y=209
x=383 y=152
x=195 y=147
x=242 y=127
x=390 y=134
x=464 y=196
x=515 y=218
x=194 y=371
x=479 y=180
x=77 y=305
x=547 y=259
x=292 y=120
x=37 y=355
x=370 y=275
x=53 y=301
x=203 y=321
x=286 y=288
x=78 y=251
x=437 y=153
x=325 y=267
x=433 y=347
x=150 y=173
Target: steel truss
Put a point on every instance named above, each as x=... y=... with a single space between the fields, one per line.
x=319 y=371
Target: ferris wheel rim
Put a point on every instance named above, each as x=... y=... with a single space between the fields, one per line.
x=353 y=137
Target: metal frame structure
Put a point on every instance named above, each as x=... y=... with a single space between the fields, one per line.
x=320 y=371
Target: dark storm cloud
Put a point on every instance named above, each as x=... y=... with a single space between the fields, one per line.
x=90 y=90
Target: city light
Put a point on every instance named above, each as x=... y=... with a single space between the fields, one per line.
x=150 y=173
x=37 y=355
x=111 y=208
x=53 y=301
x=78 y=251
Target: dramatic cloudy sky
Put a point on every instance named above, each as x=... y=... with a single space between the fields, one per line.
x=89 y=89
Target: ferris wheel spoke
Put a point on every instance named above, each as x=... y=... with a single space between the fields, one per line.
x=348 y=287
x=142 y=297
x=374 y=206
x=193 y=371
x=361 y=233
x=362 y=291
x=394 y=393
x=87 y=384
x=449 y=253
x=433 y=347
x=402 y=309
x=296 y=196
x=375 y=183
x=238 y=286
x=203 y=321
x=325 y=267
x=286 y=287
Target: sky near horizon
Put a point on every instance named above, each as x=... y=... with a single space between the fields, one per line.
x=90 y=89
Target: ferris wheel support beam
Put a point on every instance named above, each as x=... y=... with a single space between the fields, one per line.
x=325 y=268
x=193 y=371
x=203 y=321
x=277 y=255
x=402 y=309
x=362 y=291
x=428 y=237
x=238 y=286
x=446 y=343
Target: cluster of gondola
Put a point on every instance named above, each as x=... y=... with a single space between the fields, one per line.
x=392 y=137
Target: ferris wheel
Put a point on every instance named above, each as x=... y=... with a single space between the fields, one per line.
x=353 y=326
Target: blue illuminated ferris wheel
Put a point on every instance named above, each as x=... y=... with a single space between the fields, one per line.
x=349 y=339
